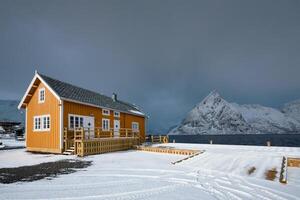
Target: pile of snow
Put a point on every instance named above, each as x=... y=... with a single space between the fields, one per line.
x=214 y=115
x=12 y=143
x=136 y=112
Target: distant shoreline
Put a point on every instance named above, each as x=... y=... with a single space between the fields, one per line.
x=288 y=140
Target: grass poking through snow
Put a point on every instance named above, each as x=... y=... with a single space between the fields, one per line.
x=271 y=174
x=251 y=170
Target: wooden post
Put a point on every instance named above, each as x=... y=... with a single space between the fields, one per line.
x=210 y=142
x=74 y=134
x=126 y=132
x=75 y=148
x=111 y=133
x=98 y=132
x=82 y=133
x=152 y=138
x=65 y=138
x=89 y=133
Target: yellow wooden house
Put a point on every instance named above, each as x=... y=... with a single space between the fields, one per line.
x=61 y=117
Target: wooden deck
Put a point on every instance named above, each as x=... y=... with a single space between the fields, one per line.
x=169 y=150
x=294 y=162
x=86 y=141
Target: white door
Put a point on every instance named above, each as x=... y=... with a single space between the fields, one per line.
x=116 y=128
x=88 y=122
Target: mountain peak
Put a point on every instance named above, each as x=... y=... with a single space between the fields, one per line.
x=214 y=115
x=212 y=96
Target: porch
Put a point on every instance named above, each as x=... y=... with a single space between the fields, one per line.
x=89 y=141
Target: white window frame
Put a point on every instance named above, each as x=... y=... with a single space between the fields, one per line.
x=39 y=123
x=117 y=114
x=104 y=127
x=80 y=121
x=105 y=112
x=40 y=91
x=36 y=121
x=136 y=129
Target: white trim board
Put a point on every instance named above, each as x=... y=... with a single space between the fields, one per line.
x=61 y=123
x=30 y=86
x=92 y=105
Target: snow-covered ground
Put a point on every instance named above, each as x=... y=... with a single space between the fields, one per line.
x=19 y=157
x=219 y=173
x=12 y=143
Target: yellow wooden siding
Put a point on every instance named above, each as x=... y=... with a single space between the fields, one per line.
x=125 y=119
x=44 y=141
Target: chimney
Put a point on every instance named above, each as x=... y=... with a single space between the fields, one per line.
x=114 y=97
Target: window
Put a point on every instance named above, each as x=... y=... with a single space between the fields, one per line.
x=41 y=123
x=135 y=126
x=37 y=123
x=105 y=124
x=75 y=121
x=42 y=95
x=105 y=112
x=117 y=114
x=80 y=121
x=71 y=121
x=46 y=122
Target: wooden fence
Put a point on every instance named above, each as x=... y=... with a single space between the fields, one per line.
x=86 y=141
x=103 y=145
x=157 y=139
x=169 y=150
x=293 y=162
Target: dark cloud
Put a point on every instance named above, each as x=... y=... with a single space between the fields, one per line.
x=162 y=55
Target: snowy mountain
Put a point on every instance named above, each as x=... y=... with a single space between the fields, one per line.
x=268 y=120
x=214 y=115
x=10 y=112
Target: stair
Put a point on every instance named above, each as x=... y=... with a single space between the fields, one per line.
x=69 y=151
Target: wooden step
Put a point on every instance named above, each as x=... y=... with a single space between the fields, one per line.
x=67 y=153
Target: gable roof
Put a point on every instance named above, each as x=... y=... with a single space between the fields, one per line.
x=69 y=92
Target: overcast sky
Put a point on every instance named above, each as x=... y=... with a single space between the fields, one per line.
x=163 y=55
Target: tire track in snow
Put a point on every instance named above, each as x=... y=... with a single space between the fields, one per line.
x=274 y=193
x=123 y=195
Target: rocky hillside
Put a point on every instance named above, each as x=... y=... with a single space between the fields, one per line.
x=214 y=115
x=292 y=109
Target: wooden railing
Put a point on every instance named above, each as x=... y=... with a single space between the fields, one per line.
x=90 y=133
x=104 y=145
x=88 y=141
x=157 y=138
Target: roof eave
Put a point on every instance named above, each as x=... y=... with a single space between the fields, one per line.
x=97 y=106
x=30 y=86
